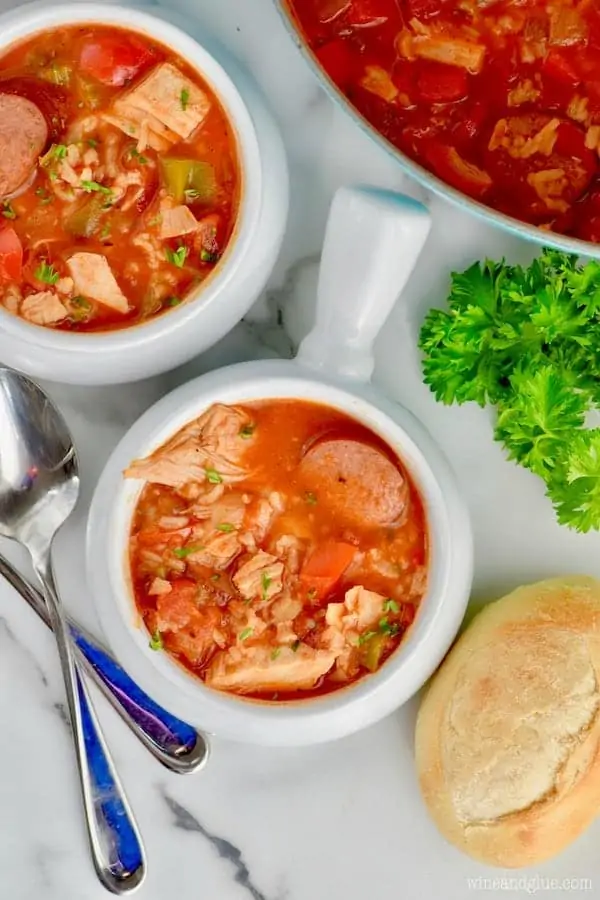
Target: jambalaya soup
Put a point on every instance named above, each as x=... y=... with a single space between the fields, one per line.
x=278 y=549
x=119 y=179
x=498 y=98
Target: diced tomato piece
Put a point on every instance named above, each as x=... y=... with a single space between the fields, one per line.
x=423 y=9
x=338 y=61
x=11 y=254
x=449 y=165
x=439 y=83
x=589 y=229
x=325 y=566
x=369 y=13
x=403 y=76
x=470 y=125
x=570 y=141
x=114 y=60
x=209 y=237
x=177 y=607
x=556 y=65
x=158 y=538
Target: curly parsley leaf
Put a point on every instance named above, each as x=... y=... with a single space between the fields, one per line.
x=527 y=341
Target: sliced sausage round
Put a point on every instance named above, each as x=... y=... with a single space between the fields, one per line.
x=356 y=481
x=23 y=135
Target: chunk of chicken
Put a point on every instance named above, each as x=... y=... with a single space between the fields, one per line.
x=217 y=552
x=524 y=92
x=43 y=308
x=550 y=185
x=210 y=448
x=592 y=138
x=260 y=516
x=578 y=109
x=176 y=221
x=284 y=610
x=512 y=135
x=159 y=587
x=93 y=278
x=453 y=51
x=221 y=429
x=289 y=548
x=188 y=626
x=248 y=670
x=163 y=109
x=260 y=577
x=377 y=81
x=360 y=611
x=11 y=298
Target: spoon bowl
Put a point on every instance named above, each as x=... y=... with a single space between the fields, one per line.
x=39 y=481
x=39 y=487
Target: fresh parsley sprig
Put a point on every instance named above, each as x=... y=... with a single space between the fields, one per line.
x=527 y=341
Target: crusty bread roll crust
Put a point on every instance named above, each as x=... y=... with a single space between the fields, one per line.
x=508 y=735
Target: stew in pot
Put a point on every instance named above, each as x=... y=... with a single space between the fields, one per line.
x=498 y=98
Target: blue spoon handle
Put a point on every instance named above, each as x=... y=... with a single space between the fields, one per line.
x=119 y=855
x=174 y=743
x=115 y=843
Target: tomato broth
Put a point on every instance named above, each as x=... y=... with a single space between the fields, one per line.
x=500 y=99
x=119 y=179
x=278 y=549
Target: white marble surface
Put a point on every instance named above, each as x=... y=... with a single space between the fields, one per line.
x=339 y=822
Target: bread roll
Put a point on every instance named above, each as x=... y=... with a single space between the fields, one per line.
x=508 y=735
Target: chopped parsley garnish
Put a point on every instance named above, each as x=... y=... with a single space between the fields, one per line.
x=184 y=552
x=184 y=98
x=177 y=257
x=386 y=628
x=265 y=581
x=311 y=594
x=213 y=476
x=156 y=641
x=363 y=638
x=215 y=577
x=47 y=273
x=523 y=340
x=44 y=195
x=245 y=634
x=92 y=142
x=310 y=498
x=191 y=194
x=105 y=232
x=8 y=211
x=225 y=527
x=90 y=186
x=247 y=431
x=295 y=646
x=208 y=257
x=135 y=154
x=391 y=606
x=81 y=303
x=172 y=301
x=60 y=151
x=275 y=653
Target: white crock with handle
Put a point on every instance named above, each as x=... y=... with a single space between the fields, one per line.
x=373 y=240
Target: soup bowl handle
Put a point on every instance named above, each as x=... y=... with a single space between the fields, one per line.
x=372 y=242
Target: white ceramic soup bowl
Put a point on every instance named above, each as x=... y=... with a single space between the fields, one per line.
x=209 y=313
x=372 y=242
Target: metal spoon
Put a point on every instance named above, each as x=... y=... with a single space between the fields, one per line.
x=171 y=741
x=39 y=486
